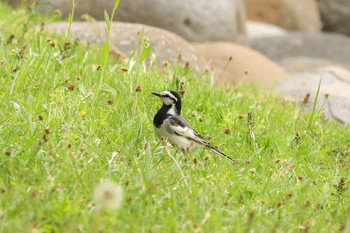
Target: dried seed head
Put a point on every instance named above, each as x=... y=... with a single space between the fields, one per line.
x=57 y=12
x=278 y=160
x=207 y=158
x=341 y=186
x=41 y=117
x=318 y=206
x=240 y=117
x=210 y=138
x=253 y=170
x=187 y=65
x=71 y=87
x=234 y=162
x=127 y=183
x=69 y=146
x=47 y=130
x=195 y=161
x=301 y=178
x=226 y=203
x=248 y=161
x=179 y=58
x=138 y=89
x=8 y=153
x=297 y=137
x=166 y=63
x=227 y=131
x=110 y=102
x=307 y=203
x=326 y=95
x=146 y=146
x=306 y=98
x=182 y=83
x=200 y=119
x=182 y=92
x=279 y=204
x=246 y=72
x=230 y=58
x=124 y=69
x=79 y=77
x=194 y=114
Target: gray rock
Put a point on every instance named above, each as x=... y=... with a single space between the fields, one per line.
x=196 y=20
x=332 y=47
x=335 y=15
x=125 y=37
x=335 y=82
x=301 y=15
x=305 y=64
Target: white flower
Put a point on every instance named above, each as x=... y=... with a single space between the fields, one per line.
x=108 y=195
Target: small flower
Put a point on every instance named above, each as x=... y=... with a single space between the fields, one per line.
x=108 y=195
x=83 y=113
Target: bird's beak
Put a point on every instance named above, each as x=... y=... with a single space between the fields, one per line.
x=157 y=94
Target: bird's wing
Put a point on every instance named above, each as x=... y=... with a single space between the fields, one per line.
x=181 y=127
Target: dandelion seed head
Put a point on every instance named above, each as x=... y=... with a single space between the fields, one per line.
x=108 y=195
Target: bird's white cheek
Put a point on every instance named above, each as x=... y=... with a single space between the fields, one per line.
x=167 y=101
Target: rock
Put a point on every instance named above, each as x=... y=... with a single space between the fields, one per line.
x=304 y=64
x=196 y=20
x=125 y=36
x=335 y=15
x=331 y=47
x=259 y=30
x=335 y=82
x=246 y=65
x=289 y=14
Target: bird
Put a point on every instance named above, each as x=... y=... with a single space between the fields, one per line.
x=169 y=123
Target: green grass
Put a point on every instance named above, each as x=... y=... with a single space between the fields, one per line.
x=52 y=156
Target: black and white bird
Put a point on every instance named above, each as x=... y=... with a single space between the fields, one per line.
x=169 y=123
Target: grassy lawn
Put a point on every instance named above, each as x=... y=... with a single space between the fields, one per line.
x=61 y=134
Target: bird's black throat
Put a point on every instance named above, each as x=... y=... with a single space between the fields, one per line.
x=163 y=114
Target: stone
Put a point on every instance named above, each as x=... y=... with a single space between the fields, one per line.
x=321 y=45
x=304 y=64
x=259 y=30
x=246 y=65
x=335 y=82
x=125 y=37
x=301 y=15
x=195 y=20
x=335 y=15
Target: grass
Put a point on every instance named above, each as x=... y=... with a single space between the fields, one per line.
x=52 y=156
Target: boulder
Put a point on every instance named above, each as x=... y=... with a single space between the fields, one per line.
x=335 y=82
x=246 y=65
x=195 y=20
x=335 y=15
x=125 y=37
x=327 y=46
x=304 y=64
x=259 y=30
x=293 y=15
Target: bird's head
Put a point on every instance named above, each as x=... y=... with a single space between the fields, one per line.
x=170 y=99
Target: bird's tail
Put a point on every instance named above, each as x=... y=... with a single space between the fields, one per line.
x=219 y=152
